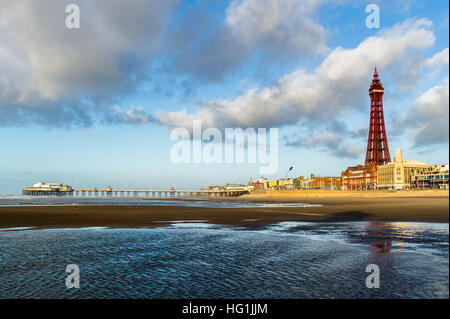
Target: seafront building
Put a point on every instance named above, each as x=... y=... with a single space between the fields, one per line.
x=299 y=183
x=260 y=183
x=324 y=182
x=359 y=177
x=272 y=184
x=400 y=173
x=286 y=183
x=317 y=182
x=436 y=176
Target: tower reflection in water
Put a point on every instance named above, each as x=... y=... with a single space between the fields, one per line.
x=383 y=238
x=384 y=234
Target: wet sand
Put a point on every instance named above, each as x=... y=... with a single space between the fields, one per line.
x=338 y=206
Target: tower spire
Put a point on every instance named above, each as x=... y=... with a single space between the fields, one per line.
x=375 y=75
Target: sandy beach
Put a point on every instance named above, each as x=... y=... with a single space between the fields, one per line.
x=425 y=206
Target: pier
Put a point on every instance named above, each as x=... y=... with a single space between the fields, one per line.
x=155 y=193
x=56 y=189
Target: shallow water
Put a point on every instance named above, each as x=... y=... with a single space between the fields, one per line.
x=21 y=200
x=198 y=260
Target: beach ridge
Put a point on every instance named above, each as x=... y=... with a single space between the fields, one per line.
x=339 y=206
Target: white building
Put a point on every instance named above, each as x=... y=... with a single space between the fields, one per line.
x=400 y=173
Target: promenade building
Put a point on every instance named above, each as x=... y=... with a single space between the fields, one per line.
x=324 y=182
x=300 y=183
x=435 y=177
x=400 y=174
x=272 y=185
x=259 y=186
x=261 y=183
x=286 y=183
x=359 y=177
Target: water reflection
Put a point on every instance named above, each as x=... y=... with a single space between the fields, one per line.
x=189 y=260
x=377 y=230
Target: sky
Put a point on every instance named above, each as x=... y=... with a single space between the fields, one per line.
x=95 y=106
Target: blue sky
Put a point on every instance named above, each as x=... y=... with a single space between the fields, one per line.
x=94 y=106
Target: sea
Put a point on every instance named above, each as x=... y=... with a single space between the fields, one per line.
x=194 y=259
x=24 y=200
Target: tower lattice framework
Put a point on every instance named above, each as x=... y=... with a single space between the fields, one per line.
x=377 y=145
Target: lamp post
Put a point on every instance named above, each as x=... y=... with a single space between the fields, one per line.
x=290 y=169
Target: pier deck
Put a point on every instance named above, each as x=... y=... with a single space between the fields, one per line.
x=138 y=193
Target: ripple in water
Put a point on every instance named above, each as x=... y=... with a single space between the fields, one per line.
x=196 y=260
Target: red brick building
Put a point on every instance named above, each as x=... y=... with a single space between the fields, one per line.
x=258 y=185
x=327 y=182
x=359 y=177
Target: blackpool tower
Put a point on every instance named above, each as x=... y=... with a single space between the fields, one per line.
x=377 y=145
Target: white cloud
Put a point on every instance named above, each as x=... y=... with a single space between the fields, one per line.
x=315 y=100
x=280 y=24
x=439 y=60
x=43 y=60
x=337 y=86
x=135 y=115
x=429 y=119
x=326 y=141
x=278 y=30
